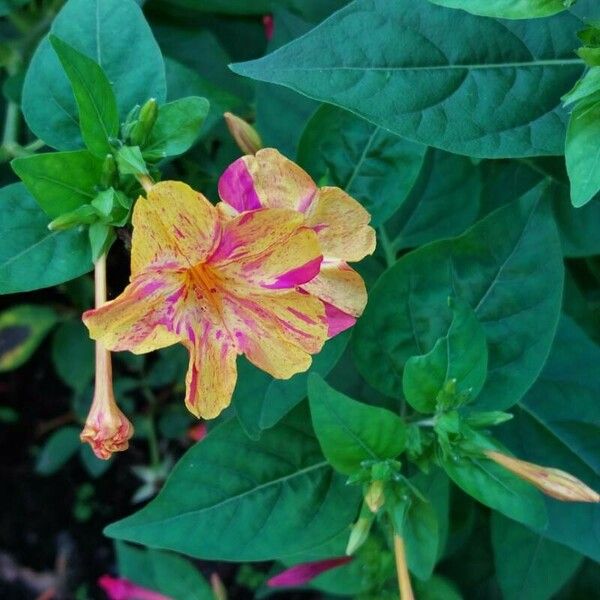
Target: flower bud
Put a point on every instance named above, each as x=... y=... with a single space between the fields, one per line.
x=84 y=215
x=107 y=429
x=553 y=482
x=218 y=589
x=146 y=120
x=359 y=534
x=375 y=496
x=245 y=136
x=109 y=174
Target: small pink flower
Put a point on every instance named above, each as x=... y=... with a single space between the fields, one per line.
x=305 y=572
x=269 y=26
x=117 y=588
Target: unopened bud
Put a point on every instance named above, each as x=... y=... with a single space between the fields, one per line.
x=84 y=215
x=488 y=419
x=245 y=136
x=359 y=534
x=218 y=589
x=140 y=132
x=108 y=178
x=375 y=496
x=553 y=482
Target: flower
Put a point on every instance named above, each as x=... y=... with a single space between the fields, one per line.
x=269 y=180
x=106 y=429
x=553 y=482
x=117 y=588
x=305 y=572
x=221 y=287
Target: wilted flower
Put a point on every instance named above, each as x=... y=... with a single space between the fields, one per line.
x=117 y=588
x=107 y=429
x=269 y=180
x=225 y=285
x=305 y=572
x=553 y=482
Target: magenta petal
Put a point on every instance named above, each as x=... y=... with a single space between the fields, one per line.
x=305 y=572
x=337 y=320
x=296 y=276
x=117 y=588
x=236 y=187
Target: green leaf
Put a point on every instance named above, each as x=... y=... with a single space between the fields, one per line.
x=130 y=59
x=581 y=153
x=274 y=497
x=7 y=6
x=497 y=259
x=528 y=565
x=96 y=102
x=60 y=181
x=177 y=127
x=507 y=9
x=130 y=161
x=31 y=257
x=59 y=448
x=437 y=588
x=163 y=572
x=557 y=424
x=261 y=401
x=461 y=355
x=470 y=85
x=73 y=354
x=351 y=432
x=374 y=166
x=498 y=488
x=22 y=330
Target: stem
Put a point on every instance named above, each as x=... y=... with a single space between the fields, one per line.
x=388 y=249
x=406 y=592
x=146 y=182
x=103 y=360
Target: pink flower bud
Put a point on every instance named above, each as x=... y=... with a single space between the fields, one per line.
x=245 y=136
x=117 y=588
x=305 y=572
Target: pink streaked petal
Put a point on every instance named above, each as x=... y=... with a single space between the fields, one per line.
x=117 y=588
x=337 y=320
x=236 y=187
x=297 y=276
x=301 y=574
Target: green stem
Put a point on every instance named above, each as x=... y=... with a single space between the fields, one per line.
x=388 y=248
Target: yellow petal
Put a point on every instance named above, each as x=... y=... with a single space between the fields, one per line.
x=339 y=285
x=175 y=226
x=136 y=320
x=212 y=372
x=266 y=180
x=277 y=332
x=342 y=225
x=268 y=250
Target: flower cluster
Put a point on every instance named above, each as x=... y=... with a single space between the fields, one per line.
x=264 y=273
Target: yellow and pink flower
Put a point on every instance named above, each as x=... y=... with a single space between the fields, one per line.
x=263 y=274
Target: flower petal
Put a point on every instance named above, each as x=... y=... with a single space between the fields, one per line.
x=173 y=226
x=139 y=318
x=277 y=332
x=212 y=371
x=268 y=249
x=342 y=225
x=269 y=180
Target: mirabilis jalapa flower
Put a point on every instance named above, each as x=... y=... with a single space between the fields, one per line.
x=262 y=274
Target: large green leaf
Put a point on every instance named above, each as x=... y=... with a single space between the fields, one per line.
x=131 y=59
x=58 y=449
x=507 y=9
x=261 y=401
x=527 y=565
x=558 y=424
x=95 y=99
x=496 y=267
x=471 y=85
x=60 y=181
x=373 y=165
x=351 y=432
x=31 y=257
x=232 y=499
x=459 y=358
x=22 y=330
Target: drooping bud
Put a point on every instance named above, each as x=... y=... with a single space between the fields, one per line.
x=359 y=534
x=375 y=496
x=245 y=136
x=146 y=120
x=553 y=482
x=107 y=429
